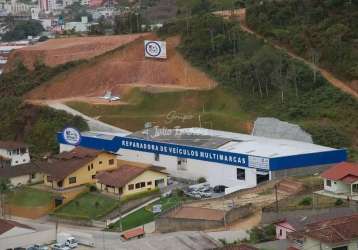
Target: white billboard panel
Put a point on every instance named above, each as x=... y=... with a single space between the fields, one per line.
x=155 y=49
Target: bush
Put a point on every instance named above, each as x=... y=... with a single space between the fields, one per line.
x=306 y=201
x=339 y=202
x=43 y=38
x=93 y=188
x=201 y=180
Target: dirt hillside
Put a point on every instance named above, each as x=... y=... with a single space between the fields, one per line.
x=59 y=51
x=125 y=68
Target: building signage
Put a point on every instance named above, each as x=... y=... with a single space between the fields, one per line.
x=72 y=136
x=185 y=151
x=155 y=49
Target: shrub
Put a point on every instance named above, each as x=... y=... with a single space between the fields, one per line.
x=339 y=202
x=306 y=201
x=201 y=180
x=92 y=188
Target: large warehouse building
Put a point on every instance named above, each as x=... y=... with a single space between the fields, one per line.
x=223 y=158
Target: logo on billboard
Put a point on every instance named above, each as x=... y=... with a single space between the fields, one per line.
x=155 y=49
x=72 y=136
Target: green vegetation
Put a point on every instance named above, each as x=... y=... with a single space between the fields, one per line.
x=262 y=234
x=145 y=215
x=22 y=29
x=306 y=201
x=325 y=31
x=29 y=197
x=36 y=125
x=87 y=206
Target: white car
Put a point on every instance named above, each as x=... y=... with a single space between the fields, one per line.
x=59 y=247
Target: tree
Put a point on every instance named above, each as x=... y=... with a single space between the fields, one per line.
x=22 y=30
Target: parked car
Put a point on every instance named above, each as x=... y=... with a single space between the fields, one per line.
x=219 y=188
x=59 y=247
x=38 y=247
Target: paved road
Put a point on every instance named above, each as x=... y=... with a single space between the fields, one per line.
x=112 y=241
x=93 y=124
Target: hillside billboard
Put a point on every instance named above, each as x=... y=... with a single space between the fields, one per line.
x=155 y=49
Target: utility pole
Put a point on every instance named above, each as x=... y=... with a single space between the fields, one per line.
x=276 y=198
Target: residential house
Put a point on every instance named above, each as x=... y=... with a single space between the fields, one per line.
x=13 y=153
x=237 y=247
x=10 y=228
x=129 y=179
x=333 y=234
x=77 y=167
x=295 y=223
x=341 y=179
x=23 y=174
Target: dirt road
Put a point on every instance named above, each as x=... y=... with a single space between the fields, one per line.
x=241 y=15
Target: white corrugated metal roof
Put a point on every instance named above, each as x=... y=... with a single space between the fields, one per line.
x=260 y=146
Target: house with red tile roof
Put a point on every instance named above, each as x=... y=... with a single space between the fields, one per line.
x=342 y=179
x=340 y=233
x=130 y=179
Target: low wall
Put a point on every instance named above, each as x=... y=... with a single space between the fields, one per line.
x=166 y=224
x=29 y=212
x=271 y=217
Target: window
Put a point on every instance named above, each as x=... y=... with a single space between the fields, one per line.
x=100 y=162
x=340 y=248
x=142 y=184
x=33 y=176
x=111 y=161
x=280 y=232
x=91 y=165
x=182 y=162
x=89 y=168
x=130 y=186
x=48 y=178
x=156 y=157
x=240 y=174
x=149 y=183
x=93 y=176
x=23 y=160
x=72 y=180
x=328 y=183
x=355 y=188
x=137 y=185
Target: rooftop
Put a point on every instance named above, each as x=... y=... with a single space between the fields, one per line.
x=6 y=225
x=19 y=170
x=345 y=171
x=12 y=145
x=334 y=231
x=231 y=142
x=122 y=175
x=66 y=163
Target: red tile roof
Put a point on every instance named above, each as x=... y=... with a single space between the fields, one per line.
x=12 y=144
x=6 y=225
x=334 y=231
x=345 y=171
x=64 y=164
x=121 y=176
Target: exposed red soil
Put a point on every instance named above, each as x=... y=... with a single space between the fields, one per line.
x=59 y=51
x=126 y=68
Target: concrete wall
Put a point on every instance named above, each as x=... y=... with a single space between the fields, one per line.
x=166 y=224
x=298 y=171
x=214 y=173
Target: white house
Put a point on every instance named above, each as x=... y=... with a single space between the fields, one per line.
x=341 y=179
x=13 y=153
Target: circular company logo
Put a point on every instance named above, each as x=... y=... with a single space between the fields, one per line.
x=153 y=49
x=72 y=136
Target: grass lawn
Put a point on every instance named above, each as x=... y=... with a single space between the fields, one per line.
x=145 y=215
x=87 y=206
x=29 y=197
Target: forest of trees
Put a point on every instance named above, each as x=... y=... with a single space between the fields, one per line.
x=22 y=29
x=267 y=81
x=36 y=125
x=323 y=31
